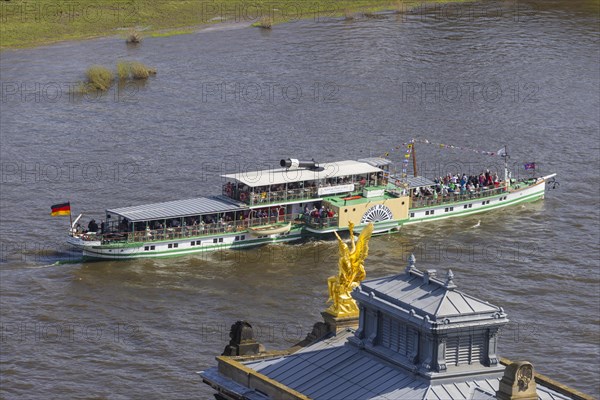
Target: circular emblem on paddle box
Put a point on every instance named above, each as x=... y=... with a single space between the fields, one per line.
x=377 y=213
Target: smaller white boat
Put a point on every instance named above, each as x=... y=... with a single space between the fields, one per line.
x=271 y=229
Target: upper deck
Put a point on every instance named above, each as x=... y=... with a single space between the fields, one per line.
x=281 y=185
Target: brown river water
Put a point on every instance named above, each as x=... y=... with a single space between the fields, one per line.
x=234 y=98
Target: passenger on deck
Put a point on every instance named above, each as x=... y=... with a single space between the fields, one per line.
x=323 y=213
x=93 y=226
x=314 y=214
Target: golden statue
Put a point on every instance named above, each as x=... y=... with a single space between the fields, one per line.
x=351 y=273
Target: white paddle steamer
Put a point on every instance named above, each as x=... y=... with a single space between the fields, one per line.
x=298 y=200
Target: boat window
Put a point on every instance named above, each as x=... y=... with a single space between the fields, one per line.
x=243 y=237
x=451 y=208
x=146 y=248
x=432 y=211
x=220 y=240
x=215 y=240
x=193 y=243
x=152 y=247
x=170 y=246
x=470 y=205
x=483 y=203
x=427 y=212
x=466 y=206
x=412 y=215
x=175 y=245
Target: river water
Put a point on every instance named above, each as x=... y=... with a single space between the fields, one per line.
x=233 y=98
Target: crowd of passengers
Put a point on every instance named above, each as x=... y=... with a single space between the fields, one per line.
x=459 y=184
x=260 y=193
x=317 y=215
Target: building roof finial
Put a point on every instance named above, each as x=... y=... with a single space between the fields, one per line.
x=450 y=280
x=411 y=263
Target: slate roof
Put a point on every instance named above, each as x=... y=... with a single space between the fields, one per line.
x=178 y=208
x=331 y=369
x=430 y=298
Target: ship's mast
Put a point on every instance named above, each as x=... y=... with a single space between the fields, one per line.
x=505 y=156
x=414 y=159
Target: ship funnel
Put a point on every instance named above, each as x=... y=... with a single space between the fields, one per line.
x=294 y=163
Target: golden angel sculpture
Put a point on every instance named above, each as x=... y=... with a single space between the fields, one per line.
x=351 y=273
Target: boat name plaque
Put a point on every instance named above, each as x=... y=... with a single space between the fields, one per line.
x=335 y=189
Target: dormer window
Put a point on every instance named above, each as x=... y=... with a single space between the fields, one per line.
x=396 y=336
x=465 y=350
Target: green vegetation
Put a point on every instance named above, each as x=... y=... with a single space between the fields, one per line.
x=133 y=70
x=140 y=71
x=99 y=77
x=172 y=33
x=28 y=23
x=123 y=70
x=265 y=23
x=134 y=36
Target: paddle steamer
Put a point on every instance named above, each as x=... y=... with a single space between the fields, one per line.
x=300 y=199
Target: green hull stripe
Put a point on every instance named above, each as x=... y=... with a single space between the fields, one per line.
x=188 y=250
x=529 y=198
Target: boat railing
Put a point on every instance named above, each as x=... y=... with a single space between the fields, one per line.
x=426 y=201
x=265 y=198
x=279 y=196
x=216 y=228
x=322 y=223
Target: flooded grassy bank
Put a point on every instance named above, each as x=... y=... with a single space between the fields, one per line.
x=28 y=24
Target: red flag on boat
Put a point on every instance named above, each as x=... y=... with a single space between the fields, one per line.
x=529 y=166
x=61 y=209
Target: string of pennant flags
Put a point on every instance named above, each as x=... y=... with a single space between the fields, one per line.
x=406 y=148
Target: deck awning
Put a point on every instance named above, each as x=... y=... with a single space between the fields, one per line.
x=178 y=208
x=376 y=161
x=279 y=176
x=419 y=181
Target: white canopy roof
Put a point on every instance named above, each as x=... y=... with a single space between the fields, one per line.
x=282 y=175
x=178 y=208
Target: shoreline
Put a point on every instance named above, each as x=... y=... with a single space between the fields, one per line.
x=26 y=26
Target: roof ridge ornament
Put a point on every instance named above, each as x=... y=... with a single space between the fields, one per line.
x=411 y=264
x=450 y=280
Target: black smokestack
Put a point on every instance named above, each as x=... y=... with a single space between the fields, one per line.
x=294 y=163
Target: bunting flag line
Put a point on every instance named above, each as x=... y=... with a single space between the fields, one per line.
x=408 y=146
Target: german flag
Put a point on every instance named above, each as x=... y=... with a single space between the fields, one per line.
x=61 y=209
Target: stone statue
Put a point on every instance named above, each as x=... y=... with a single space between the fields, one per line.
x=351 y=273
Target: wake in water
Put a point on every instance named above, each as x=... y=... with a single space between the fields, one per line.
x=477 y=225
